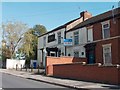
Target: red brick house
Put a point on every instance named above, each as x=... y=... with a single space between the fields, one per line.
x=102 y=51
x=106 y=38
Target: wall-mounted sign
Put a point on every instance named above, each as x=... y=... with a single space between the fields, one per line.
x=67 y=42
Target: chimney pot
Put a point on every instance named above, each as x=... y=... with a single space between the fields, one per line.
x=85 y=15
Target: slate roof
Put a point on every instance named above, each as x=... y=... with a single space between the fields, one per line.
x=98 y=18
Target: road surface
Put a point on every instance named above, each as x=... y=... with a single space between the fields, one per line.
x=10 y=81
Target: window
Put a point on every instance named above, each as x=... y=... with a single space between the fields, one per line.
x=44 y=41
x=107 y=54
x=106 y=29
x=76 y=38
x=76 y=54
x=90 y=35
x=59 y=38
x=51 y=38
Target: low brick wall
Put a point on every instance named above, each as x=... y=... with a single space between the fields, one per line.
x=60 y=60
x=105 y=74
x=64 y=60
x=49 y=71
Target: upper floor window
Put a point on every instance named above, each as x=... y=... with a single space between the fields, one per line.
x=76 y=38
x=59 y=38
x=89 y=35
x=51 y=38
x=106 y=29
x=44 y=41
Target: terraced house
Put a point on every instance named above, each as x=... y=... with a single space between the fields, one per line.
x=51 y=43
x=95 y=41
x=97 y=38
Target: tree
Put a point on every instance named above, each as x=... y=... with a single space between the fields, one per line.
x=30 y=42
x=39 y=30
x=12 y=34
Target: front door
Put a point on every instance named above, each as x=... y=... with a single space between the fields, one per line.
x=90 y=53
x=91 y=57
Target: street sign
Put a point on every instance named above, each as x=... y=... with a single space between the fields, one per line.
x=67 y=42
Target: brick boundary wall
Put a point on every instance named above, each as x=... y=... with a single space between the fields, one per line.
x=104 y=74
x=61 y=60
x=64 y=60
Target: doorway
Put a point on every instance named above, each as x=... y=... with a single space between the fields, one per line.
x=91 y=57
x=90 y=53
x=53 y=54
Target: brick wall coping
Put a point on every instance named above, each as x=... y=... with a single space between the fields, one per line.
x=81 y=63
x=67 y=57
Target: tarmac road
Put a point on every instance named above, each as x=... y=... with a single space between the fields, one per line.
x=10 y=81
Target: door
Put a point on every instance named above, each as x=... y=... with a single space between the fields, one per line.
x=90 y=52
x=91 y=57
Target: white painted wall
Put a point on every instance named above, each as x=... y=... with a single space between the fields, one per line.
x=80 y=49
x=50 y=44
x=11 y=63
x=82 y=41
x=55 y=43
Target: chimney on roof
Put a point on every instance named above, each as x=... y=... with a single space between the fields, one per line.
x=85 y=15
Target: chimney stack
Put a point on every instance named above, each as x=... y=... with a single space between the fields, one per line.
x=85 y=15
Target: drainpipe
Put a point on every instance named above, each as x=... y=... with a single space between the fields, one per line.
x=45 y=58
x=65 y=38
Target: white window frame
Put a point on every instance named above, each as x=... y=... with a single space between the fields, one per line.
x=89 y=40
x=107 y=46
x=103 y=23
x=76 y=35
x=59 y=35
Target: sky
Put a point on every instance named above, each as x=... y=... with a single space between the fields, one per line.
x=50 y=14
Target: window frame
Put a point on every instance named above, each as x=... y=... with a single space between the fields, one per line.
x=89 y=35
x=76 y=35
x=59 y=37
x=107 y=46
x=103 y=29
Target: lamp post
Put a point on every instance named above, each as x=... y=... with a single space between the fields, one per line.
x=3 y=49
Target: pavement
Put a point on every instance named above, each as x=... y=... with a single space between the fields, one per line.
x=84 y=85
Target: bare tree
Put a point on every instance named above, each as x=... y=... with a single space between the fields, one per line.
x=13 y=32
